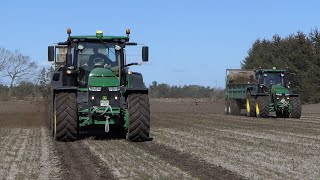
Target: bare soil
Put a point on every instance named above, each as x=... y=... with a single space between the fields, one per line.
x=191 y=140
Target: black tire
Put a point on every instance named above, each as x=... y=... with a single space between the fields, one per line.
x=295 y=107
x=250 y=106
x=234 y=107
x=51 y=117
x=65 y=118
x=262 y=106
x=139 y=117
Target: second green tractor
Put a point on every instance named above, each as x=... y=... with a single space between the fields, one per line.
x=261 y=92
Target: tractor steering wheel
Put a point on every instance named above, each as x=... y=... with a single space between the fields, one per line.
x=98 y=62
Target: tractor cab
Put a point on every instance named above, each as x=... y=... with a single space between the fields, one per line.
x=267 y=78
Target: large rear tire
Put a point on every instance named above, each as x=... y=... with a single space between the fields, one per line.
x=296 y=107
x=250 y=106
x=51 y=117
x=139 y=117
x=65 y=117
x=262 y=106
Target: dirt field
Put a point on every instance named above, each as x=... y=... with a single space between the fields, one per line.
x=191 y=141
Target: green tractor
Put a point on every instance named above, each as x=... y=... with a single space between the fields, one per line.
x=272 y=93
x=93 y=88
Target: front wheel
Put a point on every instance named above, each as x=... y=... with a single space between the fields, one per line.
x=262 y=106
x=65 y=124
x=139 y=117
x=295 y=107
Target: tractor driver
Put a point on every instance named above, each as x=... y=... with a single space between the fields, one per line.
x=97 y=58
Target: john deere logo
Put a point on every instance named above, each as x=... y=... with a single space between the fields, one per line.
x=104 y=98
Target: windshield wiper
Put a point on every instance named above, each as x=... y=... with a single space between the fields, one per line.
x=132 y=64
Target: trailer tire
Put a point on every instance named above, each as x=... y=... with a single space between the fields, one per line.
x=262 y=106
x=65 y=117
x=296 y=107
x=227 y=107
x=250 y=106
x=139 y=117
x=234 y=107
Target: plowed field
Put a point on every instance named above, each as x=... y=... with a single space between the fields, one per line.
x=190 y=141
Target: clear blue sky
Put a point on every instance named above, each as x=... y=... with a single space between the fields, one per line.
x=191 y=42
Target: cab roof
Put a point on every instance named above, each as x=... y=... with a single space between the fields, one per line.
x=272 y=70
x=93 y=38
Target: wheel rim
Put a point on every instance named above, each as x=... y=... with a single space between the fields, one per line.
x=229 y=108
x=257 y=108
x=225 y=108
x=248 y=104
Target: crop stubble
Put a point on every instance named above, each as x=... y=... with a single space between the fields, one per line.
x=192 y=140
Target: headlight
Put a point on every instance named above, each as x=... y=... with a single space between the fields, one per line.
x=94 y=88
x=114 y=88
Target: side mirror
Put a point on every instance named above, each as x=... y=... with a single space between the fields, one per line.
x=145 y=53
x=51 y=53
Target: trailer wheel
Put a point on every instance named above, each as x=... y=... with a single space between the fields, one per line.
x=295 y=107
x=250 y=106
x=234 y=107
x=262 y=106
x=65 y=125
x=227 y=107
x=139 y=117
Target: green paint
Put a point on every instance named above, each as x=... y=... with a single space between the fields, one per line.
x=83 y=89
x=111 y=121
x=278 y=89
x=87 y=121
x=106 y=38
x=273 y=70
x=102 y=77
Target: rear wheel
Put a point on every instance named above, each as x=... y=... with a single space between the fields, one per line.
x=295 y=107
x=262 y=106
x=65 y=124
x=139 y=117
x=51 y=117
x=250 y=106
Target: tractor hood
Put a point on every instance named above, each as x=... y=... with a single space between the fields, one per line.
x=278 y=89
x=103 y=77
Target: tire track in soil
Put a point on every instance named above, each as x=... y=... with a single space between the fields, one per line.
x=197 y=168
x=78 y=162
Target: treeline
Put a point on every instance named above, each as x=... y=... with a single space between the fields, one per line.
x=188 y=91
x=24 y=77
x=40 y=87
x=299 y=53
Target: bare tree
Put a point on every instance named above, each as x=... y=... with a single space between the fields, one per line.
x=19 y=67
x=4 y=57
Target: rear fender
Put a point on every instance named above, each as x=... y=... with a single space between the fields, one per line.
x=137 y=90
